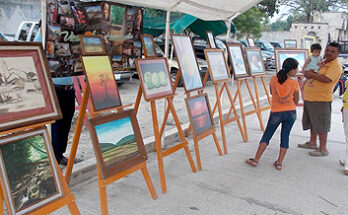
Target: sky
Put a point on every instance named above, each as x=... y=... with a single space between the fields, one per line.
x=114 y=131
x=282 y=11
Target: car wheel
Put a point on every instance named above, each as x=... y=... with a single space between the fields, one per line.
x=173 y=75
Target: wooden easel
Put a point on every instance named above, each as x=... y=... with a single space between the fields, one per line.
x=262 y=78
x=301 y=85
x=67 y=199
x=159 y=133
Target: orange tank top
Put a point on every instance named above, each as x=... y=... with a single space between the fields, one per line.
x=283 y=94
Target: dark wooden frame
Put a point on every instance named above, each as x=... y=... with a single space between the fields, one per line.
x=210 y=43
x=262 y=63
x=206 y=51
x=294 y=50
x=194 y=54
x=83 y=46
x=237 y=76
x=46 y=76
x=286 y=40
x=5 y=183
x=125 y=164
x=91 y=4
x=144 y=45
x=162 y=95
x=250 y=38
x=90 y=89
x=205 y=132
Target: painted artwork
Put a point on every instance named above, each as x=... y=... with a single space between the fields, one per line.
x=300 y=55
x=199 y=112
x=94 y=12
x=92 y=45
x=187 y=62
x=149 y=46
x=237 y=60
x=26 y=93
x=217 y=65
x=255 y=63
x=154 y=76
x=251 y=42
x=101 y=82
x=117 y=14
x=28 y=171
x=290 y=43
x=211 y=40
x=308 y=41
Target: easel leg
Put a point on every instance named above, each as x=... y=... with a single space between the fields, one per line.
x=137 y=100
x=1 y=203
x=255 y=105
x=77 y=134
x=149 y=182
x=73 y=208
x=217 y=143
x=198 y=157
x=222 y=127
x=266 y=90
x=242 y=110
x=102 y=196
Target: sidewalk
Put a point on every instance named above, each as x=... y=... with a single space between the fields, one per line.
x=226 y=185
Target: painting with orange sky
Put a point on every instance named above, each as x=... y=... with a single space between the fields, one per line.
x=101 y=82
x=200 y=114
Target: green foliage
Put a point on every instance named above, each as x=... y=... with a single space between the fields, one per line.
x=270 y=7
x=280 y=25
x=116 y=14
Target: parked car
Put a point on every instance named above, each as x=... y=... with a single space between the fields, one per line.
x=3 y=37
x=27 y=31
x=267 y=51
x=276 y=44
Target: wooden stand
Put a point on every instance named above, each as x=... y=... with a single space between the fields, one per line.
x=104 y=182
x=301 y=85
x=67 y=198
x=159 y=133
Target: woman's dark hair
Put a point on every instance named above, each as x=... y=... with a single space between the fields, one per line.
x=288 y=65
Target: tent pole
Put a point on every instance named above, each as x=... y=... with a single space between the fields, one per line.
x=228 y=33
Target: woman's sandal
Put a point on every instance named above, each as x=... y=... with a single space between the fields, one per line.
x=252 y=162
x=277 y=166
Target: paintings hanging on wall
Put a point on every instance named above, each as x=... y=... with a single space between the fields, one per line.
x=300 y=55
x=237 y=61
x=29 y=173
x=26 y=90
x=211 y=40
x=154 y=78
x=187 y=62
x=198 y=109
x=101 y=82
x=255 y=63
x=217 y=65
x=290 y=43
x=92 y=45
x=149 y=45
x=117 y=142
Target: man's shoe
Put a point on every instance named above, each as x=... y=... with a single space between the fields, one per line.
x=307 y=146
x=319 y=153
x=64 y=161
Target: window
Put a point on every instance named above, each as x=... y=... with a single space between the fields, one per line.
x=34 y=32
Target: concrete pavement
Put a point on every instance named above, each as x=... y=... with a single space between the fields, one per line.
x=226 y=185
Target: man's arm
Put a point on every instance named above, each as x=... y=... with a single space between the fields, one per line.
x=322 y=78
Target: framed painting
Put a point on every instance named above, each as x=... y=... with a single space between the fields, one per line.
x=154 y=78
x=92 y=45
x=255 y=63
x=117 y=142
x=290 y=43
x=94 y=11
x=199 y=112
x=251 y=42
x=308 y=41
x=211 y=40
x=26 y=90
x=217 y=65
x=149 y=45
x=187 y=62
x=237 y=61
x=300 y=55
x=29 y=171
x=101 y=82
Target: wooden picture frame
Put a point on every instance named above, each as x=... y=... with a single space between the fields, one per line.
x=218 y=68
x=207 y=124
x=117 y=124
x=148 y=75
x=149 y=45
x=88 y=49
x=40 y=176
x=96 y=14
x=99 y=66
x=27 y=95
x=255 y=63
x=236 y=56
x=300 y=55
x=211 y=40
x=290 y=43
x=251 y=42
x=187 y=62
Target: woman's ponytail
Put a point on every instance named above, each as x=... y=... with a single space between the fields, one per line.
x=288 y=65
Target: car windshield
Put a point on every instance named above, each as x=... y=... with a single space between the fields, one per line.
x=268 y=46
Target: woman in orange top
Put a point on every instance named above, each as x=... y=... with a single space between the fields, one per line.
x=283 y=111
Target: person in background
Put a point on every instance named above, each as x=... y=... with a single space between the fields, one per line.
x=341 y=84
x=283 y=111
x=317 y=100
x=344 y=161
x=66 y=98
x=313 y=62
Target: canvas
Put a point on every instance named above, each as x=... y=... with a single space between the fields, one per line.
x=300 y=55
x=26 y=90
x=237 y=60
x=187 y=62
x=94 y=12
x=117 y=142
x=290 y=43
x=117 y=14
x=28 y=171
x=255 y=63
x=251 y=42
x=217 y=65
x=101 y=82
x=92 y=45
x=211 y=40
x=199 y=113
x=149 y=46
x=154 y=78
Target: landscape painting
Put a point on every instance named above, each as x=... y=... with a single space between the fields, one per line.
x=94 y=12
x=300 y=55
x=150 y=50
x=237 y=60
x=155 y=79
x=101 y=82
x=28 y=171
x=117 y=14
x=211 y=40
x=92 y=45
x=217 y=65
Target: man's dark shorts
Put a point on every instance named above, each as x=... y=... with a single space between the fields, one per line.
x=317 y=116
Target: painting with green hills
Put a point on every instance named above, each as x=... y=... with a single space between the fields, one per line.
x=116 y=141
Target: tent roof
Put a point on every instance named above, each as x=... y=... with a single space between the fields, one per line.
x=207 y=10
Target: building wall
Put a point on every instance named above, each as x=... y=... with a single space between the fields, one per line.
x=13 y=12
x=276 y=36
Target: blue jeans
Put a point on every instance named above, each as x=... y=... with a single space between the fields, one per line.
x=287 y=119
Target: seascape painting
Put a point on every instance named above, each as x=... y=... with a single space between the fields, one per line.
x=299 y=54
x=200 y=114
